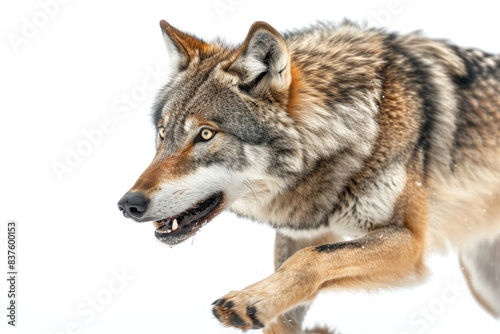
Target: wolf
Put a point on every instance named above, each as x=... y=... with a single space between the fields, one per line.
x=365 y=150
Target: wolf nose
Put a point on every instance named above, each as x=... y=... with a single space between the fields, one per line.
x=133 y=205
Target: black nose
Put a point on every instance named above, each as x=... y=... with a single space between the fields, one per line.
x=133 y=204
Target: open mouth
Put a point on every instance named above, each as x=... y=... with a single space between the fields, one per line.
x=176 y=229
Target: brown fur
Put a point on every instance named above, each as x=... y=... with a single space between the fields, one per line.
x=161 y=168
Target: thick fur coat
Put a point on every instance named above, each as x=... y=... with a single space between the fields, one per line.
x=328 y=134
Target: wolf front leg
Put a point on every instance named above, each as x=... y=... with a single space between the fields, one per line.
x=291 y=321
x=387 y=256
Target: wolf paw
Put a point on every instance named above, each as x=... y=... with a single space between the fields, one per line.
x=242 y=310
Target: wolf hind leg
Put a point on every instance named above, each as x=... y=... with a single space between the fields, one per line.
x=481 y=267
x=291 y=322
x=319 y=330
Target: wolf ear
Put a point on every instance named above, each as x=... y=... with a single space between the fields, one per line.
x=181 y=47
x=262 y=63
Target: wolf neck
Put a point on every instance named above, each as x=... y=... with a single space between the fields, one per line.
x=333 y=131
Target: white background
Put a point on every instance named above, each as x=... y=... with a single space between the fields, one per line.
x=75 y=70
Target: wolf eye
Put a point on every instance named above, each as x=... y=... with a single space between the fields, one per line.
x=207 y=134
x=161 y=133
x=204 y=135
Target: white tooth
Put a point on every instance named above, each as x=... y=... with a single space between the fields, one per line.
x=175 y=225
x=169 y=231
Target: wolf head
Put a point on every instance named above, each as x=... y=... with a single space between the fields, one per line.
x=222 y=125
